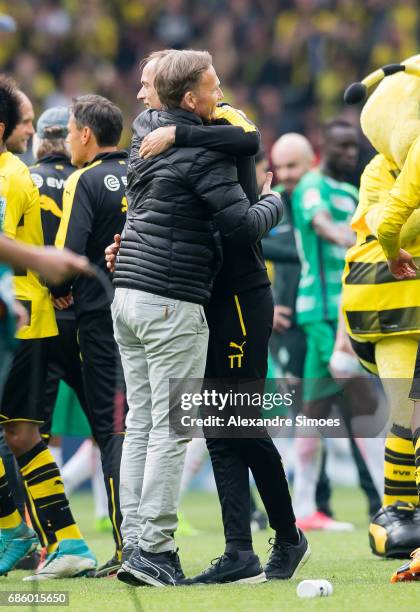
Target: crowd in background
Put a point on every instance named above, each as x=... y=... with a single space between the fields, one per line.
x=285 y=62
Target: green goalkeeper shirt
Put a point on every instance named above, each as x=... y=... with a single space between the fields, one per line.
x=322 y=261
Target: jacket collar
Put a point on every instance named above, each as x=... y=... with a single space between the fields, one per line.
x=179 y=115
x=151 y=119
x=109 y=155
x=53 y=158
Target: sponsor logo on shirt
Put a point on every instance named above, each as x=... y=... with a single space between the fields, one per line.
x=37 y=179
x=111 y=182
x=55 y=183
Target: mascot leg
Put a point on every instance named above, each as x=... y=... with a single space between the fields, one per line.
x=411 y=570
x=395 y=529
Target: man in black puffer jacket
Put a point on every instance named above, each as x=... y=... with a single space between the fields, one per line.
x=179 y=205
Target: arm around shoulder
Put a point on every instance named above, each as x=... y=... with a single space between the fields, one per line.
x=214 y=179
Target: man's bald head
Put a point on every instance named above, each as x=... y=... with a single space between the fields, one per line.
x=292 y=157
x=23 y=132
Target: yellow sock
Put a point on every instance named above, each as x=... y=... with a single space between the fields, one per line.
x=399 y=469
x=9 y=514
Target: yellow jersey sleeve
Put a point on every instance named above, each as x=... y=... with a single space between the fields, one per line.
x=403 y=199
x=235 y=117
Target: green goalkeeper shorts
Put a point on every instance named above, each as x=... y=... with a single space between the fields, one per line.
x=318 y=382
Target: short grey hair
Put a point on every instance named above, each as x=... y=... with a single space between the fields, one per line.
x=179 y=72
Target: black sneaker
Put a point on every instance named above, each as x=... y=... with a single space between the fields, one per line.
x=227 y=569
x=154 y=569
x=108 y=569
x=286 y=559
x=122 y=574
x=179 y=574
x=395 y=530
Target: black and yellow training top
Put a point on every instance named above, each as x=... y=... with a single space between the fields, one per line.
x=50 y=174
x=94 y=209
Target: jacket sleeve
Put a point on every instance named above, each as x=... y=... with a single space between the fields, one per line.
x=76 y=222
x=228 y=139
x=214 y=179
x=237 y=136
x=403 y=199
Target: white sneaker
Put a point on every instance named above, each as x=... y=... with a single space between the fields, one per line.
x=71 y=559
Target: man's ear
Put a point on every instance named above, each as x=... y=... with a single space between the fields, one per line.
x=190 y=101
x=86 y=135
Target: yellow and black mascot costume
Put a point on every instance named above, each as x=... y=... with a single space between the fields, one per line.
x=382 y=314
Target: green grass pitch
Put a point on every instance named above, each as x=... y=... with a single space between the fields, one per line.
x=360 y=580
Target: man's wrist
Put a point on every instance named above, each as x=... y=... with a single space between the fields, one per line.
x=172 y=132
x=181 y=135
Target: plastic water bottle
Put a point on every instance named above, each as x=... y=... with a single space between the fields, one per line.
x=314 y=588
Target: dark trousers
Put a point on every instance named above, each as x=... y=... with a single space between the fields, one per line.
x=100 y=367
x=84 y=355
x=240 y=328
x=64 y=364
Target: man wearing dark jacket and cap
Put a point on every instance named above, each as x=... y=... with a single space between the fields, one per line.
x=178 y=205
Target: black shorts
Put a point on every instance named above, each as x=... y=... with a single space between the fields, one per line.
x=64 y=364
x=23 y=395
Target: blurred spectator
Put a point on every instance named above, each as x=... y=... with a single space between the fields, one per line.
x=286 y=62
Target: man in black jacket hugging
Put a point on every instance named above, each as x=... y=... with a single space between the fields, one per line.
x=178 y=205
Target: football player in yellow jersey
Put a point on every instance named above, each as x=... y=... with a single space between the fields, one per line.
x=21 y=409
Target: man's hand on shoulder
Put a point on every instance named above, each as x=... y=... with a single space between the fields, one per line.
x=157 y=142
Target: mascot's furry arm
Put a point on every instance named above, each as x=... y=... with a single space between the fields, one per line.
x=377 y=181
x=403 y=199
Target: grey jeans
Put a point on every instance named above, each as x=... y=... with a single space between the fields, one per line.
x=159 y=338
